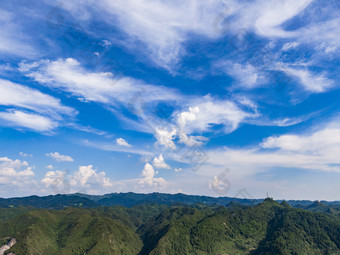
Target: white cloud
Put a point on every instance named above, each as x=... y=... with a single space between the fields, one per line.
x=58 y=157
x=247 y=75
x=162 y=26
x=316 y=83
x=318 y=142
x=165 y=137
x=201 y=117
x=85 y=179
x=25 y=154
x=15 y=118
x=183 y=120
x=148 y=178
x=105 y=43
x=122 y=142
x=219 y=185
x=86 y=176
x=57 y=180
x=12 y=94
x=322 y=34
x=12 y=39
x=47 y=110
x=50 y=167
x=102 y=87
x=211 y=112
x=158 y=162
x=70 y=76
x=15 y=172
x=178 y=169
x=290 y=45
x=270 y=15
x=317 y=151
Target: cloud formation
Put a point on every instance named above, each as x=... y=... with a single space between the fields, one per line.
x=148 y=178
x=15 y=172
x=85 y=179
x=122 y=142
x=59 y=157
x=29 y=108
x=158 y=162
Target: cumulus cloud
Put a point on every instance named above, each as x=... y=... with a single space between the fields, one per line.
x=183 y=119
x=122 y=142
x=200 y=118
x=58 y=157
x=158 y=162
x=15 y=172
x=209 y=112
x=56 y=180
x=165 y=137
x=148 y=178
x=86 y=178
x=219 y=185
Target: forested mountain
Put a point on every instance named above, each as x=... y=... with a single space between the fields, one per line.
x=130 y=199
x=266 y=228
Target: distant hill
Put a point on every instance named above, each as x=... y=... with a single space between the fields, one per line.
x=130 y=199
x=124 y=199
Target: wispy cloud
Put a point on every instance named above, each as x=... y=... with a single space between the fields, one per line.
x=20 y=119
x=316 y=83
x=247 y=76
x=34 y=110
x=102 y=87
x=13 y=40
x=162 y=26
x=13 y=94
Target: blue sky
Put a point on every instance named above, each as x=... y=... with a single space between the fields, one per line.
x=221 y=98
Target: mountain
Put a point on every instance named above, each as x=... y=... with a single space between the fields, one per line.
x=55 y=202
x=70 y=231
x=130 y=199
x=156 y=229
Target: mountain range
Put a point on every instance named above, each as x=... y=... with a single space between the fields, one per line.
x=162 y=224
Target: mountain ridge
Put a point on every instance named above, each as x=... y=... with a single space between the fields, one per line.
x=129 y=199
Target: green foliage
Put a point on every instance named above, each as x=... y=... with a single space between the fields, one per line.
x=70 y=231
x=267 y=228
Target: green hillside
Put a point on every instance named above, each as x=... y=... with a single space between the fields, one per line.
x=267 y=228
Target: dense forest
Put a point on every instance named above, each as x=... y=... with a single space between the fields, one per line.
x=267 y=227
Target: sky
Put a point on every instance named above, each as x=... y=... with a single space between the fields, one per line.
x=208 y=97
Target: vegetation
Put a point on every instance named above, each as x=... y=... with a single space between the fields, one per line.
x=156 y=229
